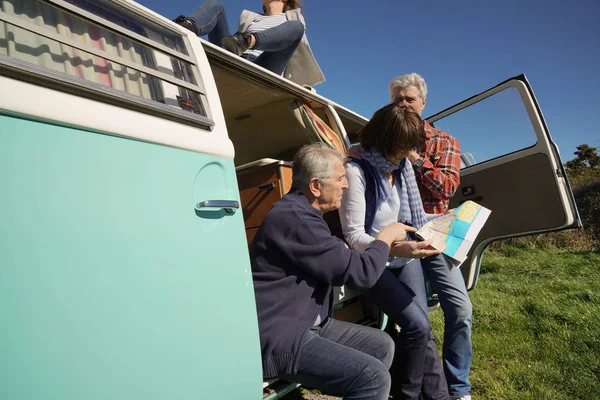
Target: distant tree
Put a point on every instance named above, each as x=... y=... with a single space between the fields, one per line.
x=585 y=167
x=586 y=157
x=584 y=177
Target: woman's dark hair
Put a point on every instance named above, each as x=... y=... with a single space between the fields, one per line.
x=392 y=129
x=291 y=5
x=288 y=5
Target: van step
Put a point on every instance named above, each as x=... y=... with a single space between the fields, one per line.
x=278 y=389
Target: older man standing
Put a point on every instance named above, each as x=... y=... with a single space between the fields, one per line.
x=438 y=166
x=296 y=261
x=437 y=170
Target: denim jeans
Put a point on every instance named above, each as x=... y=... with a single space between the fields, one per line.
x=454 y=300
x=417 y=367
x=210 y=19
x=343 y=358
x=278 y=43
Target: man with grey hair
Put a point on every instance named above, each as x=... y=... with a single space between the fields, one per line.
x=295 y=263
x=438 y=167
x=437 y=170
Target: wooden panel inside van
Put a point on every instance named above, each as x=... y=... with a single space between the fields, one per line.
x=262 y=183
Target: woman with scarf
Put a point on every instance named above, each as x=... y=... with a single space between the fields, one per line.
x=382 y=189
x=275 y=39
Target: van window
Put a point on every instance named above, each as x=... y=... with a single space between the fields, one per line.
x=492 y=127
x=101 y=45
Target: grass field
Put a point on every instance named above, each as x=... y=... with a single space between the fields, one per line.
x=536 y=325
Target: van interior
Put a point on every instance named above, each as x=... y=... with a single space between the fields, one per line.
x=267 y=129
x=258 y=115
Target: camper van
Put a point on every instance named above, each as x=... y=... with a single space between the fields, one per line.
x=137 y=161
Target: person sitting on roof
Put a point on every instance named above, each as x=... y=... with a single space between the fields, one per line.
x=275 y=40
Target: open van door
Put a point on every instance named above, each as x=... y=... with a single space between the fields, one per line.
x=514 y=167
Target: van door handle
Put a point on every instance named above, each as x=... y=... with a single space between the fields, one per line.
x=267 y=186
x=212 y=205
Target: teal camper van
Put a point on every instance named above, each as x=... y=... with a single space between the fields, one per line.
x=137 y=162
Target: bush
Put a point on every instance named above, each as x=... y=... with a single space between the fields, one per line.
x=587 y=197
x=570 y=240
x=582 y=176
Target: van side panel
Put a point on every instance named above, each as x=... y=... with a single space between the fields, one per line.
x=112 y=286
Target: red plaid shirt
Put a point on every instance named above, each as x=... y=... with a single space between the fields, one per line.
x=439 y=176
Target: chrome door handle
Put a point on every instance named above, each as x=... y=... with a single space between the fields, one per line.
x=212 y=205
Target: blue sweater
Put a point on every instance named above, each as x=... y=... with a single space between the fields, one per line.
x=295 y=263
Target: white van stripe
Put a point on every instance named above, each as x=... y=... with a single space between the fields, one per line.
x=30 y=100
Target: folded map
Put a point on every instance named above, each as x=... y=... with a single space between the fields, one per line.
x=454 y=233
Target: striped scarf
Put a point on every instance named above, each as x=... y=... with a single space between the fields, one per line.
x=411 y=206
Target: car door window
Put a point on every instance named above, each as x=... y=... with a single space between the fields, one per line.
x=509 y=164
x=493 y=127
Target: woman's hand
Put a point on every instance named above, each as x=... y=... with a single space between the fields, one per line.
x=413 y=249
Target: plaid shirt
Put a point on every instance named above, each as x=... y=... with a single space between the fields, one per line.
x=439 y=176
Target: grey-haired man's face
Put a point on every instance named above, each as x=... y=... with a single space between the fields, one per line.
x=409 y=96
x=331 y=191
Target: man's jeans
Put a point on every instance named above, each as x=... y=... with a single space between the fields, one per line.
x=454 y=300
x=278 y=43
x=343 y=358
x=417 y=366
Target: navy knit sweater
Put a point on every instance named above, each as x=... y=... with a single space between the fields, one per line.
x=295 y=263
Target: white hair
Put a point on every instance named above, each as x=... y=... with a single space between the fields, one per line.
x=412 y=79
x=313 y=161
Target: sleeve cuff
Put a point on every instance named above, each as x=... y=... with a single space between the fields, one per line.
x=427 y=164
x=380 y=245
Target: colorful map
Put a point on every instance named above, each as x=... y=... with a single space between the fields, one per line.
x=454 y=234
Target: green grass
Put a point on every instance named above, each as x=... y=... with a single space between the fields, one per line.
x=536 y=325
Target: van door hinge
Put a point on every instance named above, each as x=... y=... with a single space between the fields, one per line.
x=559 y=173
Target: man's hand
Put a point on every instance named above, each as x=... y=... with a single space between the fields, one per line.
x=394 y=232
x=413 y=156
x=413 y=249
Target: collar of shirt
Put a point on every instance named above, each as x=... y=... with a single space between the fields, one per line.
x=428 y=129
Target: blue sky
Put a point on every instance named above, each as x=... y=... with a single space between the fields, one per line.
x=461 y=48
